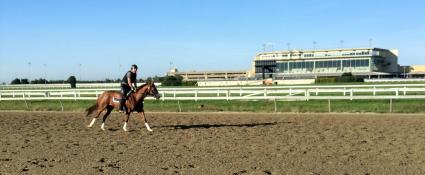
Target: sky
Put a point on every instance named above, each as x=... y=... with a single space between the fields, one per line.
x=99 y=39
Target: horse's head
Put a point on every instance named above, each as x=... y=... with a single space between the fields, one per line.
x=152 y=90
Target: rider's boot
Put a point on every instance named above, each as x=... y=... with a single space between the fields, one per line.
x=122 y=107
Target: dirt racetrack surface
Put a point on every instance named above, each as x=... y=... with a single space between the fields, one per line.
x=213 y=143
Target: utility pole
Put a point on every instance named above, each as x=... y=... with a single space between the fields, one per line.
x=79 y=71
x=45 y=73
x=370 y=42
x=29 y=72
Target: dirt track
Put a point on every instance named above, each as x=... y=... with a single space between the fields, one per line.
x=213 y=143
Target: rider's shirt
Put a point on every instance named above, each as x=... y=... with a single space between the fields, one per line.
x=130 y=75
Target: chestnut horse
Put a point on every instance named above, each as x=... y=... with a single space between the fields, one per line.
x=110 y=99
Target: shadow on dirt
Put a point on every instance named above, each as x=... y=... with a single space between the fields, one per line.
x=206 y=126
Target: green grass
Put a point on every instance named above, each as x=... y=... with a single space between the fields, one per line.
x=320 y=106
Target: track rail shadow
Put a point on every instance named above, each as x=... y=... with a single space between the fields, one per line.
x=206 y=126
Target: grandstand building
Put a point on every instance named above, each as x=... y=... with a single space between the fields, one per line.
x=364 y=62
x=209 y=75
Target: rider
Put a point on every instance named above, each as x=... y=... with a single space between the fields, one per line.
x=128 y=84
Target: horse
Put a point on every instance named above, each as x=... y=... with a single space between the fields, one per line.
x=109 y=100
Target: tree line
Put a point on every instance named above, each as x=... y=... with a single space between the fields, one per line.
x=164 y=80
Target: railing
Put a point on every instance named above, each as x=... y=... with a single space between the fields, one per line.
x=387 y=91
x=61 y=86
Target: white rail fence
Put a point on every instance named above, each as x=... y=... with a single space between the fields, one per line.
x=61 y=86
x=349 y=92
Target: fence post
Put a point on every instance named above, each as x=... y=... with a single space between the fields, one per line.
x=180 y=109
x=174 y=93
x=374 y=90
x=240 y=92
x=75 y=96
x=329 y=105
x=317 y=91
x=307 y=94
x=275 y=106
x=196 y=95
x=60 y=101
x=391 y=105
x=344 y=91
x=351 y=94
x=227 y=94
x=396 y=91
x=25 y=100
x=218 y=92
x=290 y=91
x=404 y=90
x=265 y=92
x=163 y=96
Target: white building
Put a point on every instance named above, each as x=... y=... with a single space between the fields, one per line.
x=331 y=62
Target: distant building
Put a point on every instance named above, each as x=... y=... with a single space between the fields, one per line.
x=366 y=62
x=209 y=75
x=414 y=71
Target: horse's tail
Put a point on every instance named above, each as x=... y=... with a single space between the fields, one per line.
x=91 y=109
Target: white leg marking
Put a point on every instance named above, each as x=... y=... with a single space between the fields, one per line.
x=125 y=127
x=147 y=127
x=92 y=122
x=103 y=126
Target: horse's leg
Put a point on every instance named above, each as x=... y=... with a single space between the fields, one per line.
x=127 y=116
x=108 y=111
x=98 y=112
x=142 y=115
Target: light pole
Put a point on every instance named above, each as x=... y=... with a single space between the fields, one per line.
x=29 y=72
x=370 y=42
x=119 y=70
x=289 y=45
x=45 y=73
x=342 y=43
x=314 y=45
x=404 y=68
x=79 y=70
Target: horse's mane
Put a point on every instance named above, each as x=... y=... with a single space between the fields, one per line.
x=140 y=87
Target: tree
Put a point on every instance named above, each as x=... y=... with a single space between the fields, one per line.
x=16 y=81
x=25 y=81
x=72 y=81
x=348 y=77
x=172 y=81
x=39 y=81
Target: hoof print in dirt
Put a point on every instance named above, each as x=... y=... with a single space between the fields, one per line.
x=25 y=169
x=5 y=160
x=267 y=172
x=240 y=172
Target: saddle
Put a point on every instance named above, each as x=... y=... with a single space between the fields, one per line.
x=117 y=100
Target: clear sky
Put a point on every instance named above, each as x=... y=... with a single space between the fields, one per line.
x=92 y=38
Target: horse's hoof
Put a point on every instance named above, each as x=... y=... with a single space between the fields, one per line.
x=150 y=130
x=88 y=126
